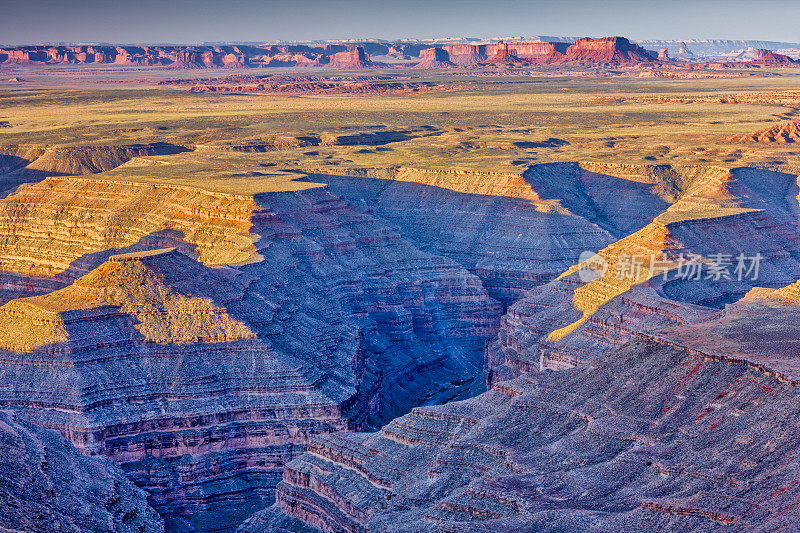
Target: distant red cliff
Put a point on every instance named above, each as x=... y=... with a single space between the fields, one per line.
x=603 y=52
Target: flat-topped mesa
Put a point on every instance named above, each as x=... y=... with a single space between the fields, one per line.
x=435 y=58
x=465 y=54
x=47 y=485
x=75 y=219
x=606 y=51
x=531 y=51
x=355 y=58
x=770 y=58
x=785 y=133
x=90 y=159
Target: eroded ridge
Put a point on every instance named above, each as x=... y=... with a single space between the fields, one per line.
x=647 y=436
x=47 y=485
x=571 y=320
x=203 y=381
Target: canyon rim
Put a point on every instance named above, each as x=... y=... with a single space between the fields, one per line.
x=447 y=284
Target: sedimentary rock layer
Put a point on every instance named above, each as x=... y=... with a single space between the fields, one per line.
x=202 y=382
x=495 y=225
x=572 y=320
x=604 y=52
x=647 y=437
x=51 y=227
x=47 y=485
x=788 y=132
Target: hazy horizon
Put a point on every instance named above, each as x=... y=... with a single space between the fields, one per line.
x=198 y=21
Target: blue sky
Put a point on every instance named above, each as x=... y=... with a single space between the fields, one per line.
x=185 y=21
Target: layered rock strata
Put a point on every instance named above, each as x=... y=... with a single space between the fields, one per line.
x=572 y=320
x=647 y=437
x=603 y=52
x=495 y=225
x=46 y=485
x=202 y=382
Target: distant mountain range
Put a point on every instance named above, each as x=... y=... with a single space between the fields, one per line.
x=435 y=53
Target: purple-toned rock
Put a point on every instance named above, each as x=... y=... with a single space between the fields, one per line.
x=47 y=485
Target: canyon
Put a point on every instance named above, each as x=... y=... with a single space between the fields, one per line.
x=472 y=299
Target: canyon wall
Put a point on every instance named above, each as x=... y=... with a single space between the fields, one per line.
x=202 y=379
x=571 y=320
x=648 y=437
x=46 y=485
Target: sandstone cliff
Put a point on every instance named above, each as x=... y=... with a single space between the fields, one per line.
x=354 y=59
x=435 y=58
x=606 y=51
x=770 y=58
x=570 y=321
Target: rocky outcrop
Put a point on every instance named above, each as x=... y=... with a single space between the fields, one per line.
x=605 y=51
x=47 y=485
x=742 y=334
x=435 y=58
x=788 y=132
x=72 y=160
x=353 y=59
x=503 y=55
x=648 y=437
x=770 y=58
x=572 y=320
x=202 y=382
x=27 y=163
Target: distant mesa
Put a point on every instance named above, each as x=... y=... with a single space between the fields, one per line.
x=355 y=58
x=768 y=57
x=193 y=58
x=605 y=51
x=465 y=54
x=788 y=132
x=435 y=58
